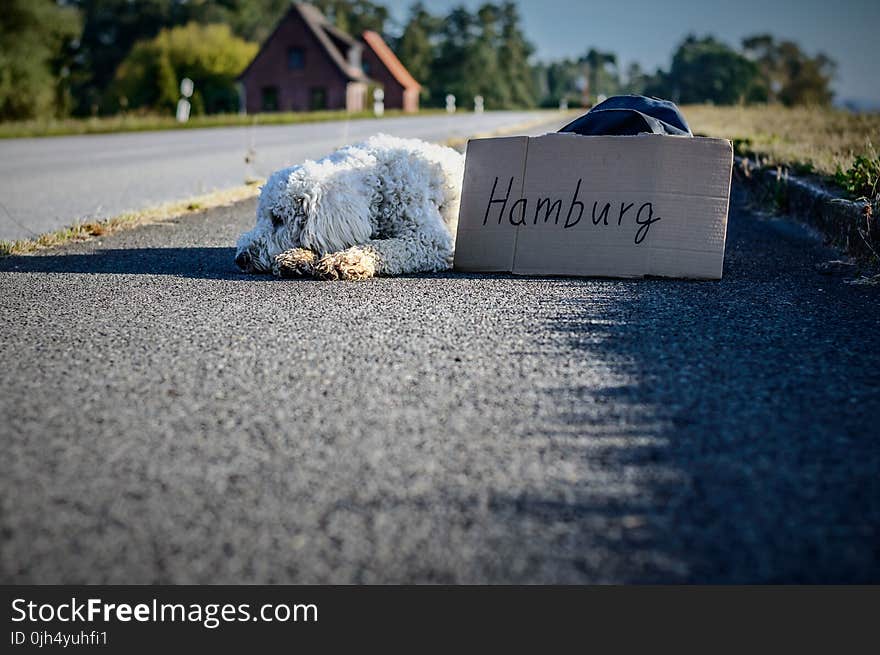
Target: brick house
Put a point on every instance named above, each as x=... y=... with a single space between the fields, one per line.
x=308 y=64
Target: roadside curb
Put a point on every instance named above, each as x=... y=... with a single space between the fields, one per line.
x=847 y=224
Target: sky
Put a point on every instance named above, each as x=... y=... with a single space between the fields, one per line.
x=648 y=32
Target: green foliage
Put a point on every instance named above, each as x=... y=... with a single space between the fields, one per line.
x=208 y=54
x=167 y=82
x=58 y=56
x=702 y=70
x=595 y=73
x=557 y=81
x=35 y=36
x=354 y=16
x=513 y=55
x=415 y=47
x=482 y=53
x=636 y=79
x=788 y=75
x=110 y=28
x=706 y=70
x=862 y=179
x=252 y=20
x=601 y=68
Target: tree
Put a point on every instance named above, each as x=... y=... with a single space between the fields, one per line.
x=354 y=16
x=786 y=74
x=416 y=47
x=210 y=55
x=557 y=81
x=252 y=20
x=809 y=78
x=484 y=60
x=602 y=81
x=110 y=28
x=706 y=70
x=513 y=55
x=35 y=43
x=636 y=79
x=452 y=70
x=167 y=82
x=483 y=54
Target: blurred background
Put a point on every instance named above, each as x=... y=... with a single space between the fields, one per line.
x=790 y=83
x=81 y=58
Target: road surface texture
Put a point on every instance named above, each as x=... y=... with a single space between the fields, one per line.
x=167 y=419
x=46 y=184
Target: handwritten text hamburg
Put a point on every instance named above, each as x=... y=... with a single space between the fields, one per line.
x=519 y=213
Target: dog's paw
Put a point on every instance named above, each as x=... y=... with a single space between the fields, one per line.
x=353 y=264
x=296 y=262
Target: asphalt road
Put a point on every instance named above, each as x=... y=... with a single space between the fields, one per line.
x=49 y=183
x=166 y=418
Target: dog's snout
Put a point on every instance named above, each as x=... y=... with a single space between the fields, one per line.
x=243 y=260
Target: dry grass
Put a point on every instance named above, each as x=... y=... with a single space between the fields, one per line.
x=88 y=230
x=807 y=139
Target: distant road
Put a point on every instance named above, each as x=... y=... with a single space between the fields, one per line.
x=48 y=183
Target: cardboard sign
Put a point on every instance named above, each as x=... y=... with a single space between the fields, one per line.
x=611 y=206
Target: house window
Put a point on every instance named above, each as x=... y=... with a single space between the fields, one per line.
x=296 y=58
x=366 y=67
x=317 y=98
x=269 y=98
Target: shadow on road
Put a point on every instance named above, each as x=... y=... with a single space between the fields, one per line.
x=743 y=437
x=200 y=263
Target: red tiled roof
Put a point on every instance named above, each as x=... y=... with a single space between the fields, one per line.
x=392 y=63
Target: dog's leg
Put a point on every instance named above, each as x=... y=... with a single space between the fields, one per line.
x=355 y=263
x=296 y=262
x=396 y=256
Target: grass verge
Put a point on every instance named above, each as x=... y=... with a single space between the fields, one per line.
x=90 y=229
x=837 y=146
x=138 y=123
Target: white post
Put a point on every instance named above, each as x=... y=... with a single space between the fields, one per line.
x=478 y=104
x=378 y=102
x=183 y=107
x=450 y=104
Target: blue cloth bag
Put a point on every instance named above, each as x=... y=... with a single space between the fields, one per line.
x=631 y=114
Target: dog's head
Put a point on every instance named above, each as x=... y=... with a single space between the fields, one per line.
x=278 y=223
x=324 y=206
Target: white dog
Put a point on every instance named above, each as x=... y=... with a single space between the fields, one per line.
x=387 y=206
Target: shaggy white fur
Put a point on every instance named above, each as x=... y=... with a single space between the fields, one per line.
x=387 y=206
